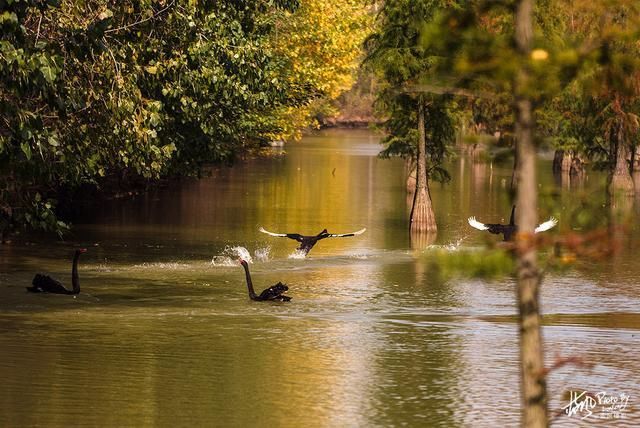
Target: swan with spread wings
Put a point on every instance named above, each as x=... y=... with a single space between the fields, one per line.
x=308 y=241
x=508 y=230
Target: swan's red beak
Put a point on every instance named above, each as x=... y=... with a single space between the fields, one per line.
x=241 y=261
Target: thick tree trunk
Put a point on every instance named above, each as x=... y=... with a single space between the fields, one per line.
x=620 y=180
x=635 y=161
x=562 y=160
x=411 y=178
x=533 y=385
x=577 y=164
x=567 y=166
x=422 y=217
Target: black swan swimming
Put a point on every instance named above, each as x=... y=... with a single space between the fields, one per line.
x=507 y=230
x=46 y=284
x=273 y=293
x=307 y=242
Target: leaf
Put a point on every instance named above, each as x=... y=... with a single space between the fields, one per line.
x=53 y=141
x=105 y=15
x=8 y=17
x=26 y=149
x=151 y=69
x=48 y=73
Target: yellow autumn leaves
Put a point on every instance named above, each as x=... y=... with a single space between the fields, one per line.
x=322 y=40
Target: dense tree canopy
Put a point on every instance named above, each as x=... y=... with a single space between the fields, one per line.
x=402 y=62
x=583 y=68
x=102 y=91
x=322 y=43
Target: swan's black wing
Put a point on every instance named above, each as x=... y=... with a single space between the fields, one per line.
x=295 y=236
x=46 y=284
x=275 y=293
x=496 y=229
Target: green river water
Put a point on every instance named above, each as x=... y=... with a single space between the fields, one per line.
x=163 y=333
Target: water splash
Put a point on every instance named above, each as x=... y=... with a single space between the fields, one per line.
x=231 y=255
x=454 y=246
x=450 y=247
x=359 y=256
x=298 y=254
x=163 y=265
x=263 y=254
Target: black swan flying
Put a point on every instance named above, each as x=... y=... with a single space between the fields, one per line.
x=273 y=293
x=307 y=242
x=507 y=230
x=46 y=284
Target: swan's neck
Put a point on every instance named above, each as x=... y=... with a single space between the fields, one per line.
x=252 y=293
x=75 y=280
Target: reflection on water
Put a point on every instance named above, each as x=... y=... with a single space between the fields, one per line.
x=163 y=331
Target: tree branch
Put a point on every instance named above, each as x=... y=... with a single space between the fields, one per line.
x=133 y=24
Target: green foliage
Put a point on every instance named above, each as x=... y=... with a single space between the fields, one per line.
x=104 y=91
x=475 y=264
x=41 y=215
x=402 y=63
x=583 y=69
x=403 y=137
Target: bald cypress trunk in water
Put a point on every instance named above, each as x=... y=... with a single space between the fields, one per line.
x=422 y=217
x=411 y=180
x=410 y=170
x=421 y=240
x=620 y=180
x=533 y=385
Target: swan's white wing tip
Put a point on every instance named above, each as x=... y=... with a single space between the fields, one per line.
x=342 y=235
x=262 y=229
x=476 y=224
x=546 y=225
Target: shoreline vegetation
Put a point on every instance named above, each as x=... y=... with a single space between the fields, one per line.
x=110 y=97
x=106 y=96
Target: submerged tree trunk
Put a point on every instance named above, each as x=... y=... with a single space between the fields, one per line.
x=533 y=385
x=568 y=167
x=422 y=217
x=568 y=161
x=421 y=240
x=561 y=162
x=620 y=180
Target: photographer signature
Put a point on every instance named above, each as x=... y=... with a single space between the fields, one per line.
x=601 y=405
